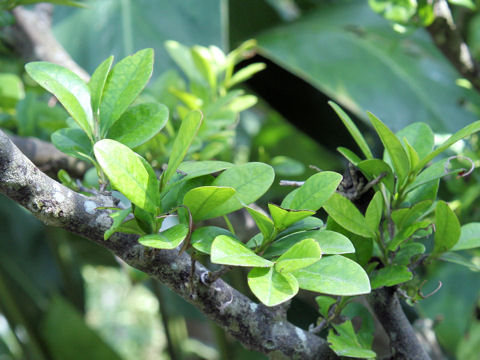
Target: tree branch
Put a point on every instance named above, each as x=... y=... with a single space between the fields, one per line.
x=256 y=326
x=389 y=312
x=448 y=39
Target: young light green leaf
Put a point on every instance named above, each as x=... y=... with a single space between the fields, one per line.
x=349 y=155
x=348 y=216
x=97 y=83
x=447 y=228
x=420 y=136
x=353 y=130
x=250 y=180
x=228 y=251
x=334 y=275
x=394 y=148
x=168 y=239
x=68 y=88
x=271 y=287
x=300 y=255
x=128 y=173
x=374 y=212
x=264 y=223
x=315 y=191
x=283 y=218
x=245 y=73
x=202 y=238
x=203 y=62
x=413 y=156
x=139 y=123
x=187 y=132
x=459 y=135
x=117 y=217
x=242 y=103
x=124 y=83
x=469 y=237
x=374 y=168
x=73 y=142
x=330 y=242
x=390 y=275
x=345 y=342
x=183 y=58
x=203 y=200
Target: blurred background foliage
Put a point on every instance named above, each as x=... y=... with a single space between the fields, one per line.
x=64 y=298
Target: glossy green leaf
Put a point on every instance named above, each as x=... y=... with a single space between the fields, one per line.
x=334 y=275
x=433 y=172
x=406 y=233
x=353 y=130
x=202 y=238
x=245 y=73
x=349 y=155
x=168 y=239
x=118 y=217
x=405 y=217
x=271 y=287
x=390 y=275
x=124 y=83
x=228 y=251
x=459 y=135
x=128 y=173
x=310 y=223
x=345 y=342
x=202 y=60
x=347 y=215
x=97 y=82
x=139 y=123
x=264 y=223
x=412 y=153
x=374 y=212
x=330 y=242
x=193 y=169
x=394 y=148
x=68 y=88
x=315 y=191
x=182 y=56
x=204 y=200
x=250 y=180
x=419 y=136
x=373 y=168
x=300 y=255
x=187 y=132
x=447 y=228
x=469 y=237
x=73 y=142
x=283 y=218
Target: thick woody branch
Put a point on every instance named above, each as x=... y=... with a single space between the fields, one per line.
x=448 y=39
x=256 y=326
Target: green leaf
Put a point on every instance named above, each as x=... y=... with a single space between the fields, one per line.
x=431 y=173
x=419 y=136
x=334 y=275
x=469 y=237
x=129 y=173
x=315 y=191
x=330 y=242
x=202 y=59
x=407 y=216
x=407 y=251
x=353 y=130
x=228 y=251
x=139 y=123
x=202 y=238
x=97 y=83
x=187 y=132
x=412 y=154
x=168 y=239
x=194 y=169
x=68 y=88
x=373 y=168
x=459 y=135
x=324 y=303
x=300 y=255
x=264 y=223
x=204 y=200
x=309 y=223
x=124 y=83
x=344 y=342
x=73 y=142
x=183 y=58
x=394 y=148
x=271 y=287
x=117 y=217
x=283 y=218
x=458 y=259
x=349 y=155
x=390 y=275
x=374 y=212
x=406 y=233
x=250 y=180
x=11 y=90
x=447 y=228
x=347 y=215
x=245 y=73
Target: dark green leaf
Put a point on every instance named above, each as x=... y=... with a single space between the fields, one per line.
x=406 y=217
x=406 y=233
x=73 y=142
x=407 y=251
x=447 y=228
x=117 y=217
x=374 y=212
x=469 y=237
x=373 y=168
x=390 y=275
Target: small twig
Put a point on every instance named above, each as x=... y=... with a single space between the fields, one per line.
x=186 y=241
x=291 y=183
x=431 y=293
x=463 y=172
x=315 y=168
x=212 y=276
x=372 y=183
x=332 y=314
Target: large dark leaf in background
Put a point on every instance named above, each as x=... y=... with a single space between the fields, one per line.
x=353 y=55
x=121 y=27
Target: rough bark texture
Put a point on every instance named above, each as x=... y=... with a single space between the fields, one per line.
x=389 y=312
x=256 y=326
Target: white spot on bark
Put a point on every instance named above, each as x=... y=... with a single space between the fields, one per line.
x=253 y=306
x=89 y=206
x=59 y=197
x=300 y=334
